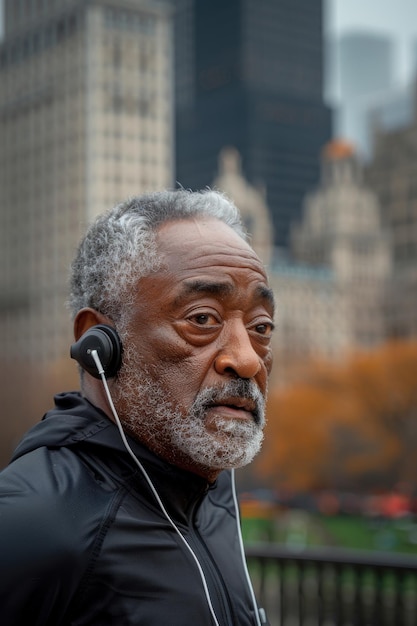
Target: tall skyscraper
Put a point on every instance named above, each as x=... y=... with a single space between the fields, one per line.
x=85 y=121
x=249 y=75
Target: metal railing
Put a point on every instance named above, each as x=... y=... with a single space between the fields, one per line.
x=333 y=587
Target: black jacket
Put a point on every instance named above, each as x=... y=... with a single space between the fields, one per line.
x=83 y=540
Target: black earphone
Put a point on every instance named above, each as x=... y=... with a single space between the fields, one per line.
x=106 y=341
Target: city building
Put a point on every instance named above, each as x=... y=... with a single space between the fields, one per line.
x=342 y=231
x=250 y=200
x=395 y=111
x=331 y=288
x=249 y=75
x=86 y=120
x=392 y=174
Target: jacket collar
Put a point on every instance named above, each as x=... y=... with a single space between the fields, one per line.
x=75 y=422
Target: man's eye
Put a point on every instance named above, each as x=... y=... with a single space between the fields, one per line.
x=264 y=329
x=204 y=319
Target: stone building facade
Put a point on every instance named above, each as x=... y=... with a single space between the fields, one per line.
x=392 y=173
x=86 y=120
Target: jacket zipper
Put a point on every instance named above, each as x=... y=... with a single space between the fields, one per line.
x=213 y=576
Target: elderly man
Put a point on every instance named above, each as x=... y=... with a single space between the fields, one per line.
x=119 y=507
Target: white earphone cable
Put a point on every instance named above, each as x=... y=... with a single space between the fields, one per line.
x=100 y=369
x=242 y=551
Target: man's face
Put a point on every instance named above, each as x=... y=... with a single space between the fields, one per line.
x=197 y=350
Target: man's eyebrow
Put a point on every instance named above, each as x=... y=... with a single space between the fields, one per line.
x=203 y=287
x=222 y=289
x=266 y=294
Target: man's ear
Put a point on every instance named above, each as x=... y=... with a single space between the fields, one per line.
x=85 y=319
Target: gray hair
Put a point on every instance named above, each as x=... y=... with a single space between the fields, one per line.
x=120 y=246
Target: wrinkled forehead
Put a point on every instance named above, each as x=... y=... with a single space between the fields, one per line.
x=205 y=242
x=207 y=256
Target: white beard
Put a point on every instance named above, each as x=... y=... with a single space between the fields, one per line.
x=153 y=418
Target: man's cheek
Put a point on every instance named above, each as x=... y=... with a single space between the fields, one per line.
x=180 y=383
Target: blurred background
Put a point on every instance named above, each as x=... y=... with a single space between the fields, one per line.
x=304 y=112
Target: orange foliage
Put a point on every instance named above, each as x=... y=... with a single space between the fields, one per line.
x=347 y=426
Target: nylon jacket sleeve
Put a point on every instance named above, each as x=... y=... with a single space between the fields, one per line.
x=41 y=555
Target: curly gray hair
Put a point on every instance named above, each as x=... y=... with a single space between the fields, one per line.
x=120 y=245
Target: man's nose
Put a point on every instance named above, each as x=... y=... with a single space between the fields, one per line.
x=237 y=356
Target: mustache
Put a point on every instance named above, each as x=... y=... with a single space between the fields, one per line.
x=239 y=388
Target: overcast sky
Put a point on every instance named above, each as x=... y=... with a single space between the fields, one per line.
x=394 y=18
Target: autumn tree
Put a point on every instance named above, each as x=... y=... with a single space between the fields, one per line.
x=346 y=426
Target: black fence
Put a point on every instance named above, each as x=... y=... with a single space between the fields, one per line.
x=331 y=587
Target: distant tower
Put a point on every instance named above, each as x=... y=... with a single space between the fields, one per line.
x=86 y=121
x=392 y=174
x=249 y=200
x=249 y=74
x=342 y=229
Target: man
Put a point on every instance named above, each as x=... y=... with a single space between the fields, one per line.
x=116 y=508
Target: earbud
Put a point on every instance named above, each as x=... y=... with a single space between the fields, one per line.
x=106 y=341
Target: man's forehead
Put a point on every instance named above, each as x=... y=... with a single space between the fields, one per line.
x=201 y=229
x=204 y=243
x=207 y=256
